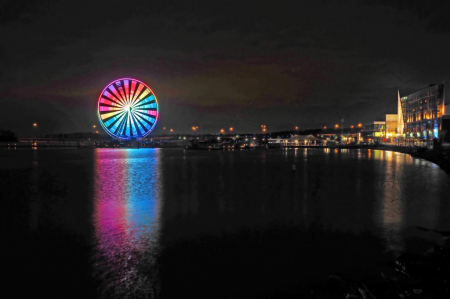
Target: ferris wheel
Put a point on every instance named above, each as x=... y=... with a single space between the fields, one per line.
x=127 y=108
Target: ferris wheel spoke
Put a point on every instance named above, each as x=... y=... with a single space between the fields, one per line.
x=139 y=89
x=145 y=110
x=147 y=120
x=144 y=127
x=135 y=125
x=146 y=114
x=120 y=126
x=133 y=87
x=120 y=91
x=112 y=123
x=106 y=96
x=147 y=101
x=106 y=115
x=126 y=89
x=116 y=94
x=123 y=130
x=109 y=105
x=128 y=128
x=144 y=94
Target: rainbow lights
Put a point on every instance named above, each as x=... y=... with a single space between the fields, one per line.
x=127 y=108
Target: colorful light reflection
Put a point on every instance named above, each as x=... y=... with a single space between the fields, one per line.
x=127 y=108
x=126 y=219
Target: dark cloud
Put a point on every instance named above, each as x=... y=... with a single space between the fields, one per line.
x=221 y=63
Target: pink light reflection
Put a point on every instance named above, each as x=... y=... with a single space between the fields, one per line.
x=126 y=218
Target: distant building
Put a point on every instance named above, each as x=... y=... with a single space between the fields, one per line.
x=391 y=124
x=374 y=129
x=382 y=129
x=420 y=113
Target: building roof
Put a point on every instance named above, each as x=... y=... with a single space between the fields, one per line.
x=404 y=92
x=407 y=91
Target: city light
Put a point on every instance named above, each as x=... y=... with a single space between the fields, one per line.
x=222 y=130
x=360 y=125
x=94 y=126
x=171 y=130
x=325 y=127
x=352 y=126
x=231 y=128
x=35 y=125
x=336 y=126
x=296 y=128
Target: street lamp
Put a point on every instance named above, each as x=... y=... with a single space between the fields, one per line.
x=222 y=130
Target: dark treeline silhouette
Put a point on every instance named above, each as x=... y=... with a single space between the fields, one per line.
x=79 y=135
x=7 y=136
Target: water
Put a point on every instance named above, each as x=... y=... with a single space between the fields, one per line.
x=159 y=223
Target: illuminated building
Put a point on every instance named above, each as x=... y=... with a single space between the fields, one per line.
x=382 y=129
x=374 y=129
x=420 y=113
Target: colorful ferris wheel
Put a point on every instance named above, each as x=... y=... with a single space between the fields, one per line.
x=127 y=108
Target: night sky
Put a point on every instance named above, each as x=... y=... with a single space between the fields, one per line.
x=218 y=64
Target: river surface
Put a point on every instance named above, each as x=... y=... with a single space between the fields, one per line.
x=166 y=223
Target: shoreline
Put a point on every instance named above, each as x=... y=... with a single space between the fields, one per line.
x=438 y=157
